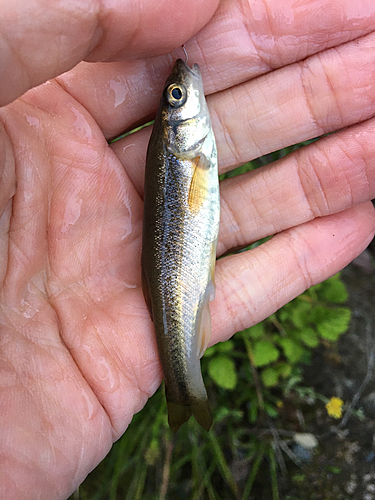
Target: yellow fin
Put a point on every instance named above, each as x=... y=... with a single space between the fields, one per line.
x=198 y=186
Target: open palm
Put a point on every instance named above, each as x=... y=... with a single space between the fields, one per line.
x=77 y=352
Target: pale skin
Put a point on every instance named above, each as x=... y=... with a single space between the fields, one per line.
x=77 y=350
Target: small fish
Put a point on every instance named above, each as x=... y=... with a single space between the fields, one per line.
x=180 y=230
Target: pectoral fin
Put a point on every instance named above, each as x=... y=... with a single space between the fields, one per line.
x=199 y=184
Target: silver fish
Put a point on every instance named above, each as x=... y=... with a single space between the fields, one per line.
x=180 y=230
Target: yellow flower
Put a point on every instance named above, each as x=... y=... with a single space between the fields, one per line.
x=279 y=403
x=334 y=407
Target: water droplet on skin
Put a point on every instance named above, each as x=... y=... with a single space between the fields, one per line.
x=104 y=376
x=88 y=404
x=72 y=213
x=119 y=88
x=27 y=309
x=126 y=199
x=33 y=121
x=128 y=285
x=127 y=146
x=81 y=127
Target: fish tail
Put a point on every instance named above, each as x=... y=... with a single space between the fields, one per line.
x=179 y=413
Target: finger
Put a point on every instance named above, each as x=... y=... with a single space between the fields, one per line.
x=7 y=173
x=324 y=93
x=251 y=42
x=39 y=43
x=326 y=177
x=254 y=284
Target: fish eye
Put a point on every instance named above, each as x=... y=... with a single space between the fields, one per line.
x=176 y=95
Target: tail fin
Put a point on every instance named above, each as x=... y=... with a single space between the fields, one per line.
x=179 y=413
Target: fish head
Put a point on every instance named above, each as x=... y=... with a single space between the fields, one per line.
x=184 y=113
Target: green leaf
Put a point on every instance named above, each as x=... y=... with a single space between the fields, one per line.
x=333 y=469
x=300 y=315
x=309 y=337
x=223 y=371
x=334 y=290
x=271 y=410
x=210 y=351
x=315 y=288
x=284 y=369
x=255 y=331
x=269 y=376
x=226 y=346
x=331 y=323
x=284 y=315
x=264 y=353
x=292 y=349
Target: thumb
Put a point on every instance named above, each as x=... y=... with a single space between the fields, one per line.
x=40 y=40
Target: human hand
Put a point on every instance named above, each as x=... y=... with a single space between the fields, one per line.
x=78 y=355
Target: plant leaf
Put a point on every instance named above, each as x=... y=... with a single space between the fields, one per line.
x=300 y=314
x=309 y=337
x=269 y=376
x=226 y=346
x=331 y=323
x=334 y=290
x=264 y=353
x=255 y=331
x=223 y=371
x=292 y=349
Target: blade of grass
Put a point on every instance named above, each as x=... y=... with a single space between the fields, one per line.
x=207 y=483
x=140 y=483
x=125 y=455
x=139 y=475
x=273 y=473
x=222 y=464
x=196 y=464
x=258 y=386
x=166 y=469
x=254 y=472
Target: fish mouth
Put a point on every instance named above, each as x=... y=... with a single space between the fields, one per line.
x=181 y=67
